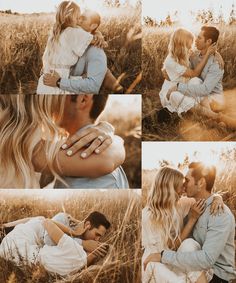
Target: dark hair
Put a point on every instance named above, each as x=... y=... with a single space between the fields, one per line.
x=99 y=103
x=210 y=33
x=202 y=171
x=96 y=219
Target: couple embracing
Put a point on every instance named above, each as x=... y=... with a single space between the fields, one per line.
x=187 y=239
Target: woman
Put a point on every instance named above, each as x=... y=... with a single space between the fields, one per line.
x=25 y=245
x=177 y=66
x=162 y=226
x=31 y=141
x=65 y=45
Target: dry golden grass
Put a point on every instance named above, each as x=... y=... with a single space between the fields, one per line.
x=23 y=39
x=122 y=208
x=193 y=127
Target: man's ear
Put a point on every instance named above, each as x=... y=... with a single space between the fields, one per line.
x=87 y=225
x=94 y=26
x=209 y=41
x=202 y=183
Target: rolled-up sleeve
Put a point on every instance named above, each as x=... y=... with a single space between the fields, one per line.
x=96 y=71
x=213 y=77
x=218 y=232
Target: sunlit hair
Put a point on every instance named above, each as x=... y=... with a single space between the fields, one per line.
x=162 y=204
x=27 y=120
x=180 y=46
x=67 y=15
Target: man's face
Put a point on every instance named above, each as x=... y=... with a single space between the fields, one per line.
x=95 y=233
x=190 y=185
x=85 y=21
x=201 y=43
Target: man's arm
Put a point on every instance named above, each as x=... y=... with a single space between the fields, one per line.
x=218 y=232
x=214 y=75
x=96 y=71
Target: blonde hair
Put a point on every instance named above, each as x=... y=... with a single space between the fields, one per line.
x=162 y=203
x=25 y=120
x=178 y=46
x=67 y=13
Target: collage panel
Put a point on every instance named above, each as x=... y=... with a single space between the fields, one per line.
x=71 y=141
x=189 y=69
x=70 y=47
x=70 y=236
x=188 y=216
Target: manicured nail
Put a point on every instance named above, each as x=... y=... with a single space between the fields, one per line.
x=83 y=155
x=97 y=150
x=64 y=146
x=69 y=152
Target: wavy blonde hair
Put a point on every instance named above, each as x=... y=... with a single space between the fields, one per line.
x=66 y=16
x=162 y=204
x=179 y=44
x=25 y=121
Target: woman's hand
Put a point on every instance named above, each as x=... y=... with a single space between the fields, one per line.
x=155 y=257
x=217 y=205
x=197 y=209
x=96 y=139
x=99 y=41
x=211 y=50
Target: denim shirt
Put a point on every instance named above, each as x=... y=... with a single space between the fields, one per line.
x=215 y=234
x=211 y=76
x=94 y=64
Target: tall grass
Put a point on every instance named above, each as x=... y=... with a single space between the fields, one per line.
x=122 y=209
x=23 y=39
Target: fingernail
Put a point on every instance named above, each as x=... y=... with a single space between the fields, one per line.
x=97 y=151
x=69 y=152
x=64 y=146
x=83 y=155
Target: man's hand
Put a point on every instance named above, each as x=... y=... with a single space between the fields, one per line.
x=155 y=257
x=96 y=138
x=174 y=88
x=165 y=75
x=99 y=41
x=51 y=79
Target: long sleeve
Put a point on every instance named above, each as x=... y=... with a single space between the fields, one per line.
x=212 y=79
x=96 y=71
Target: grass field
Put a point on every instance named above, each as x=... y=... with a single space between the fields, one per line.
x=192 y=127
x=23 y=39
x=122 y=208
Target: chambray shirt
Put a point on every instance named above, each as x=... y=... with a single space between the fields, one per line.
x=215 y=234
x=211 y=76
x=62 y=218
x=94 y=64
x=115 y=180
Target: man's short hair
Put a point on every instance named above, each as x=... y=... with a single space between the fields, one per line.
x=97 y=219
x=99 y=103
x=210 y=32
x=199 y=170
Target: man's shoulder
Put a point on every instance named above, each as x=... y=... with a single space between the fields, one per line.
x=226 y=218
x=93 y=50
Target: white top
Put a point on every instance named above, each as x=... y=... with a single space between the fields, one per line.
x=71 y=45
x=151 y=236
x=68 y=256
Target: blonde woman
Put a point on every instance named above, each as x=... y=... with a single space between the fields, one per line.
x=162 y=226
x=65 y=45
x=31 y=141
x=177 y=67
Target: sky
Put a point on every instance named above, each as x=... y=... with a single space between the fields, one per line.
x=175 y=152
x=160 y=11
x=29 y=6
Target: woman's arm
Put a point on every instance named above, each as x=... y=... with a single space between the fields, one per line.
x=198 y=69
x=94 y=166
x=19 y=221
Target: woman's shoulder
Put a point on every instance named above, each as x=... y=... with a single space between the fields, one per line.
x=75 y=31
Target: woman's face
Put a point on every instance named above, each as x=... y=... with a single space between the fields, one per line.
x=180 y=188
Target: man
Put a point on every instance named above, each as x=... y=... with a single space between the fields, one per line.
x=211 y=75
x=215 y=234
x=91 y=71
x=81 y=112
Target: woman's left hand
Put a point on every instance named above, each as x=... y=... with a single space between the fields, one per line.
x=217 y=205
x=99 y=41
x=96 y=139
x=155 y=257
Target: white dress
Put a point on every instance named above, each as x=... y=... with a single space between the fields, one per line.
x=71 y=46
x=153 y=243
x=178 y=102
